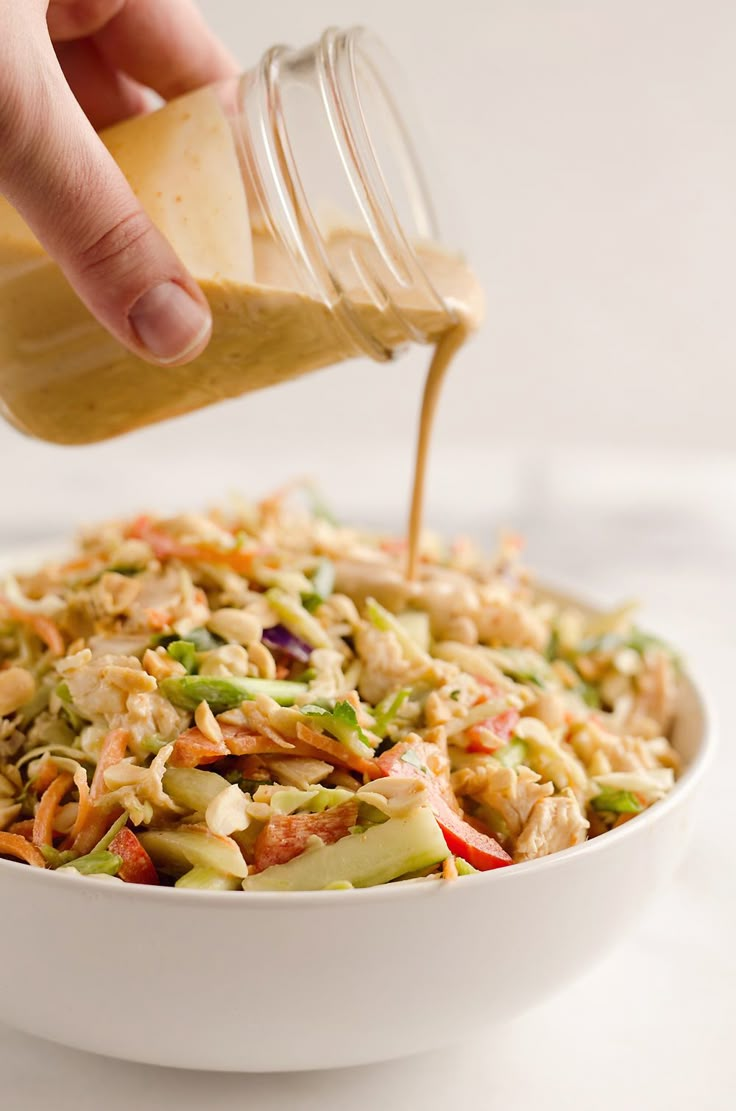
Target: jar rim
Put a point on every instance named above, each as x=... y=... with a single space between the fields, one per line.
x=350 y=72
x=341 y=52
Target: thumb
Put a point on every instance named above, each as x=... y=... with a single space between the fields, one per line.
x=59 y=175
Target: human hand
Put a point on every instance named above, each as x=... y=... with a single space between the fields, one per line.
x=66 y=68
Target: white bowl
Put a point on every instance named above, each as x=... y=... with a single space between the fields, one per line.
x=308 y=980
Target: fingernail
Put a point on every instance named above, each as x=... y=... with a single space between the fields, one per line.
x=169 y=323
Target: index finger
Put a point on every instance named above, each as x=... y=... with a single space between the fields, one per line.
x=166 y=45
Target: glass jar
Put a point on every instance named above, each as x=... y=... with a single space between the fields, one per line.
x=295 y=196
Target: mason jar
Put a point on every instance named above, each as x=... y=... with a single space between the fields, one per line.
x=296 y=197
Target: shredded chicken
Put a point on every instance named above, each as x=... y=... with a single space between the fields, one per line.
x=383 y=664
x=509 y=793
x=553 y=824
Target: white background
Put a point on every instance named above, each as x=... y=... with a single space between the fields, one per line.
x=592 y=148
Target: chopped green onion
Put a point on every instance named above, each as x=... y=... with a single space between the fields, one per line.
x=153 y=744
x=184 y=652
x=521 y=676
x=552 y=650
x=112 y=833
x=76 y=721
x=387 y=710
x=202 y=639
x=306 y=676
x=220 y=693
x=96 y=864
x=463 y=868
x=64 y=694
x=250 y=786
x=56 y=859
x=323 y=584
x=617 y=802
x=589 y=695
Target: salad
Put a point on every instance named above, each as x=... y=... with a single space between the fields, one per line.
x=258 y=699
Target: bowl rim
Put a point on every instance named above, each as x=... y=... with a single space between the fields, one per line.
x=263 y=900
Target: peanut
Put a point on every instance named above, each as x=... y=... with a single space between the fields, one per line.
x=236 y=626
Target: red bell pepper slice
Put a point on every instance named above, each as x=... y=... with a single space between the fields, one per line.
x=502 y=726
x=478 y=849
x=286 y=835
x=137 y=866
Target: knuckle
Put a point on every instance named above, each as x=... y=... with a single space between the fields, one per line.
x=118 y=248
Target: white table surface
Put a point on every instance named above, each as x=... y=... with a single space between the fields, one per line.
x=653 y=1026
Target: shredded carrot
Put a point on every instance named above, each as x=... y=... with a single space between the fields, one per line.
x=251 y=767
x=44 y=628
x=112 y=752
x=45 y=775
x=97 y=819
x=23 y=829
x=192 y=749
x=259 y=723
x=43 y=823
x=13 y=845
x=84 y=806
x=449 y=869
x=245 y=742
x=167 y=547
